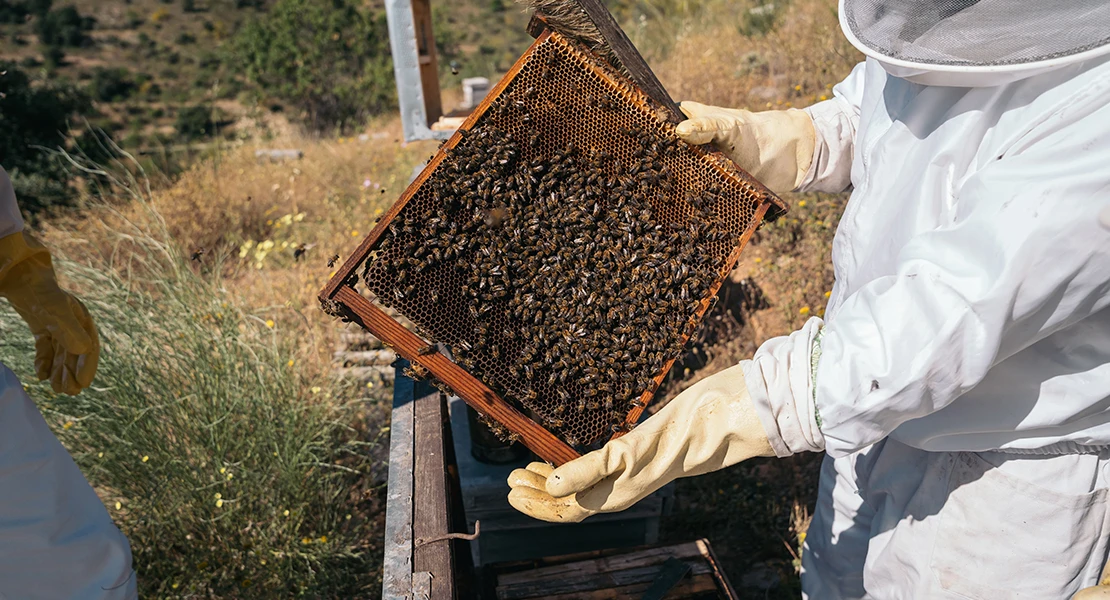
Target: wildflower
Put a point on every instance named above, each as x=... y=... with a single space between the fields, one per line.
x=802 y=204
x=804 y=310
x=230 y=476
x=347 y=518
x=366 y=183
x=821 y=311
x=100 y=455
x=828 y=293
x=219 y=503
x=68 y=425
x=174 y=586
x=270 y=323
x=218 y=495
x=291 y=362
x=823 y=97
x=315 y=390
x=145 y=458
x=118 y=505
x=323 y=539
x=299 y=217
x=286 y=513
x=798 y=88
x=306 y=540
x=369 y=384
x=354 y=233
x=801 y=538
x=758 y=259
x=263 y=561
x=377 y=211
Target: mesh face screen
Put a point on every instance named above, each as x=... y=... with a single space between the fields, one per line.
x=978 y=32
x=566 y=245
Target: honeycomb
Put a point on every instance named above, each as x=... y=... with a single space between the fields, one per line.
x=567 y=243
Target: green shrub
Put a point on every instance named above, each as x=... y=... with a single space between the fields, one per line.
x=35 y=116
x=64 y=28
x=112 y=85
x=329 y=59
x=195 y=122
x=233 y=473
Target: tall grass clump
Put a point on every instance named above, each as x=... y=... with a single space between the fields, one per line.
x=234 y=473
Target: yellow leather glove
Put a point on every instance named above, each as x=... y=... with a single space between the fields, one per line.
x=67 y=348
x=775 y=146
x=711 y=425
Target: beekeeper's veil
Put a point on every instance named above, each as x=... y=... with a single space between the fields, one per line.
x=976 y=42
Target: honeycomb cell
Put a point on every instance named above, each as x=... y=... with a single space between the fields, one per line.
x=567 y=244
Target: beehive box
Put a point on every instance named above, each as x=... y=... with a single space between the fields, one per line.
x=556 y=253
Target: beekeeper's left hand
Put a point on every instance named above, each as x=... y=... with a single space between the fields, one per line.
x=67 y=348
x=711 y=425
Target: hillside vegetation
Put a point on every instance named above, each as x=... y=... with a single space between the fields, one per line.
x=216 y=432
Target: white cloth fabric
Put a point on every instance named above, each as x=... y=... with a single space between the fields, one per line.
x=894 y=522
x=10 y=219
x=57 y=541
x=970 y=310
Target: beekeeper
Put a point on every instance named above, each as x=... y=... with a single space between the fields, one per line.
x=57 y=540
x=960 y=381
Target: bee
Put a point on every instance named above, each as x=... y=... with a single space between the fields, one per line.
x=429 y=349
x=199 y=252
x=333 y=260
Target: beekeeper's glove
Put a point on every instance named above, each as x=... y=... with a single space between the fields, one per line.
x=709 y=426
x=775 y=146
x=66 y=345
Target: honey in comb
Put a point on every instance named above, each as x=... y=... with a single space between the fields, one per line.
x=564 y=247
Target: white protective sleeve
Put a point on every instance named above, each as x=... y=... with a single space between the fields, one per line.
x=835 y=122
x=1026 y=258
x=10 y=220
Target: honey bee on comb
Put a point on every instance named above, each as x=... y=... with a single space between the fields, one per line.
x=562 y=245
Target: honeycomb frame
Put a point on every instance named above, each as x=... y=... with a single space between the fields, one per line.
x=340 y=297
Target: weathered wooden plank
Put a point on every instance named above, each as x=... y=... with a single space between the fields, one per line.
x=426 y=52
x=397 y=564
x=630 y=57
x=700 y=587
x=430 y=498
x=631 y=560
x=591 y=582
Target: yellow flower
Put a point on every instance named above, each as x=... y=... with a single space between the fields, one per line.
x=802 y=204
x=758 y=259
x=823 y=98
x=100 y=455
x=223 y=470
x=270 y=323
x=230 y=475
x=323 y=539
x=378 y=211
x=145 y=458
x=805 y=310
x=263 y=561
x=118 y=505
x=174 y=586
x=348 y=517
x=291 y=362
x=286 y=513
x=369 y=384
x=828 y=293
x=219 y=504
x=798 y=88
x=67 y=425
x=219 y=495
x=315 y=390
x=821 y=311
x=801 y=538
x=354 y=233
x=306 y=541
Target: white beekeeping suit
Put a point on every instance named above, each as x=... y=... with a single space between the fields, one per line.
x=57 y=541
x=960 y=380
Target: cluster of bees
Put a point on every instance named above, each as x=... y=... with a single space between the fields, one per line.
x=576 y=291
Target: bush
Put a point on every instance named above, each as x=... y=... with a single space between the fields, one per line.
x=64 y=28
x=328 y=59
x=34 y=116
x=231 y=470
x=112 y=85
x=195 y=122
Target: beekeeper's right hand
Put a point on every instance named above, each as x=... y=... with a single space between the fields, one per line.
x=775 y=146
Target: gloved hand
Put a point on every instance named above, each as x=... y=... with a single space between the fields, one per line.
x=775 y=146
x=709 y=426
x=67 y=348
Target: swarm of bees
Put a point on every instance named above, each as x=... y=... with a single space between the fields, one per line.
x=550 y=274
